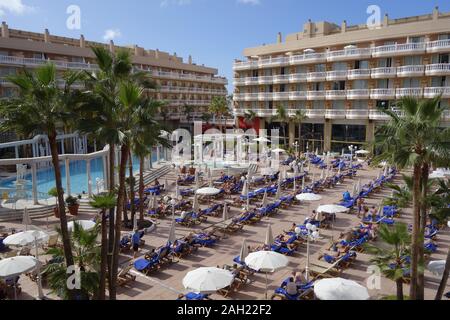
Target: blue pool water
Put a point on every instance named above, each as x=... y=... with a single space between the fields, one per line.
x=78 y=178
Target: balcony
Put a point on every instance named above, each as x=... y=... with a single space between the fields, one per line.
x=349 y=54
x=250 y=81
x=273 y=62
x=265 y=80
x=357 y=114
x=399 y=49
x=378 y=115
x=308 y=58
x=336 y=95
x=280 y=78
x=183 y=76
x=382 y=94
x=31 y=62
x=436 y=91
x=411 y=71
x=265 y=96
x=337 y=75
x=438 y=69
x=316 y=76
x=315 y=114
x=356 y=94
x=298 y=77
x=245 y=65
x=409 y=92
x=297 y=95
x=438 y=46
x=239 y=97
x=265 y=112
x=383 y=73
x=316 y=95
x=280 y=96
x=335 y=114
x=359 y=74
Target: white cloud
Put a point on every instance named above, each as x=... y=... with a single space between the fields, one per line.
x=14 y=6
x=251 y=2
x=112 y=34
x=166 y=3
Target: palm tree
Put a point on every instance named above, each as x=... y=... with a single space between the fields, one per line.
x=415 y=140
x=250 y=116
x=298 y=118
x=188 y=110
x=401 y=194
x=86 y=253
x=219 y=107
x=392 y=260
x=104 y=203
x=282 y=117
x=43 y=107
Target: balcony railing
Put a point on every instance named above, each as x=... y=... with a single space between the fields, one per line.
x=335 y=114
x=315 y=113
x=337 y=75
x=308 y=58
x=316 y=95
x=273 y=62
x=438 y=69
x=336 y=94
x=38 y=62
x=298 y=95
x=384 y=72
x=357 y=114
x=433 y=92
x=399 y=49
x=280 y=96
x=409 y=92
x=382 y=94
x=281 y=78
x=438 y=46
x=298 y=77
x=358 y=74
x=358 y=94
x=317 y=76
x=349 y=54
x=378 y=115
x=411 y=71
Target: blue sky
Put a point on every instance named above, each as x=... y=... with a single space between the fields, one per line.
x=214 y=31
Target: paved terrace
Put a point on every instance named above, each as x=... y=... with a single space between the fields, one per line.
x=166 y=284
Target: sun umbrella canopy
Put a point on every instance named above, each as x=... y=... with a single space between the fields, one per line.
x=172 y=236
x=26 y=238
x=308 y=197
x=278 y=150
x=332 y=208
x=208 y=192
x=340 y=289
x=437 y=267
x=15 y=266
x=196 y=205
x=261 y=139
x=362 y=152
x=266 y=261
x=225 y=212
x=86 y=225
x=207 y=280
x=269 y=236
x=244 y=250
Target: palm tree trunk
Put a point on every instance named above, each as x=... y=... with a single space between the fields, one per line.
x=120 y=202
x=61 y=207
x=103 y=258
x=399 y=284
x=444 y=280
x=423 y=223
x=415 y=241
x=131 y=194
x=112 y=187
x=141 y=188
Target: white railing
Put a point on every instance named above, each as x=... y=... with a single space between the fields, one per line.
x=349 y=54
x=280 y=78
x=409 y=92
x=312 y=95
x=432 y=92
x=411 y=70
x=399 y=48
x=359 y=73
x=280 y=96
x=315 y=113
x=298 y=77
x=357 y=114
x=308 y=58
x=436 y=46
x=358 y=93
x=271 y=62
x=377 y=115
x=38 y=62
x=335 y=114
x=263 y=96
x=191 y=90
x=336 y=94
x=437 y=68
x=384 y=72
x=337 y=74
x=382 y=93
x=316 y=76
x=298 y=95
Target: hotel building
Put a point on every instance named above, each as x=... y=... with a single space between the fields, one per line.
x=342 y=75
x=180 y=83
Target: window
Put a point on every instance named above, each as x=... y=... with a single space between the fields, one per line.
x=411 y=83
x=444 y=36
x=349 y=133
x=385 y=63
x=301 y=87
x=384 y=84
x=319 y=86
x=440 y=81
x=416 y=39
x=319 y=105
x=255 y=73
x=338 y=105
x=4 y=53
x=301 y=69
x=282 y=88
x=283 y=71
x=340 y=66
x=363 y=64
x=413 y=60
x=360 y=84
x=338 y=85
x=320 y=67
x=360 y=104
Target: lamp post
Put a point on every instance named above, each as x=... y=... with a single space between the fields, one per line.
x=312 y=235
x=296 y=145
x=173 y=203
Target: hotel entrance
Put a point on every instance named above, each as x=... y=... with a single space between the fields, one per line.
x=311 y=137
x=344 y=136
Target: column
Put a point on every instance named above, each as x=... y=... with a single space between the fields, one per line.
x=68 y=191
x=105 y=172
x=34 y=183
x=370 y=132
x=16 y=149
x=327 y=131
x=291 y=133
x=88 y=169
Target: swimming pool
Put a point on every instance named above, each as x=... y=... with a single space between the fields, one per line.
x=78 y=178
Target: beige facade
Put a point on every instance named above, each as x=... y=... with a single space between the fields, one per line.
x=341 y=75
x=180 y=82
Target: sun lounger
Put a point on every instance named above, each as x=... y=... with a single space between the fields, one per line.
x=125 y=277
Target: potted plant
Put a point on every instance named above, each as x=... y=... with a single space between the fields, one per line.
x=73 y=205
x=54 y=193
